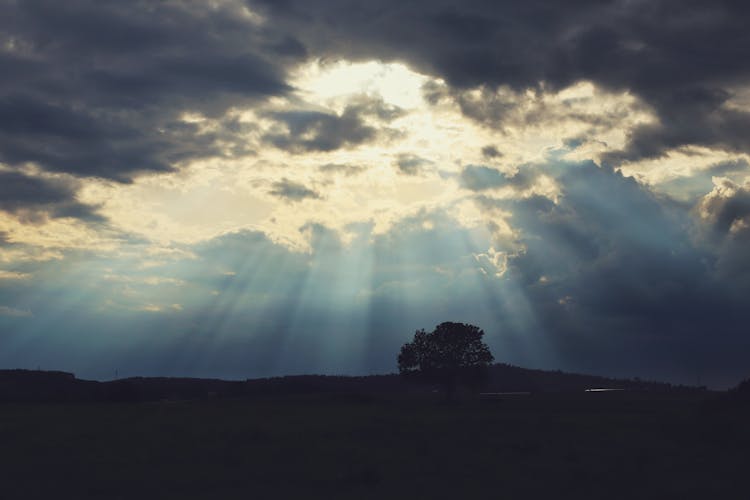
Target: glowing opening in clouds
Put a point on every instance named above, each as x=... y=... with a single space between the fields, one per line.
x=409 y=159
x=394 y=82
x=326 y=248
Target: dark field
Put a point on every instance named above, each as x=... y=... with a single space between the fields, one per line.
x=603 y=446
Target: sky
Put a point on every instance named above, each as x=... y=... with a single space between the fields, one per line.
x=243 y=189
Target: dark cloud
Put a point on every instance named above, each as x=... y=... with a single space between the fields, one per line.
x=292 y=191
x=681 y=58
x=600 y=215
x=409 y=164
x=614 y=273
x=480 y=178
x=711 y=126
x=99 y=88
x=86 y=144
x=503 y=108
x=340 y=168
x=34 y=199
x=491 y=152
x=305 y=131
x=727 y=206
x=319 y=131
x=490 y=107
x=726 y=212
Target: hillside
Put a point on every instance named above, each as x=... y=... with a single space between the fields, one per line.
x=51 y=386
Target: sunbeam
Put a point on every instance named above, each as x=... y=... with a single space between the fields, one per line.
x=253 y=199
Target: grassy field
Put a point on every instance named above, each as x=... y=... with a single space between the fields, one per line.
x=600 y=446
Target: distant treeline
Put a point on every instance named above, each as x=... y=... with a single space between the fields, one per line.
x=55 y=386
x=504 y=377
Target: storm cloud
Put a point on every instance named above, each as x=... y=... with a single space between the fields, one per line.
x=99 y=88
x=33 y=199
x=684 y=60
x=612 y=269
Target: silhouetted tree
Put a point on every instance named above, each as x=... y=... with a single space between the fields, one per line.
x=452 y=354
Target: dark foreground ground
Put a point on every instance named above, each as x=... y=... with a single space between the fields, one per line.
x=603 y=446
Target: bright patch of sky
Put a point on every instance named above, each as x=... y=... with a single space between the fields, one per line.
x=412 y=166
x=330 y=246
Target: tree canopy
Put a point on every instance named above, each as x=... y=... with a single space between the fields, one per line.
x=453 y=353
